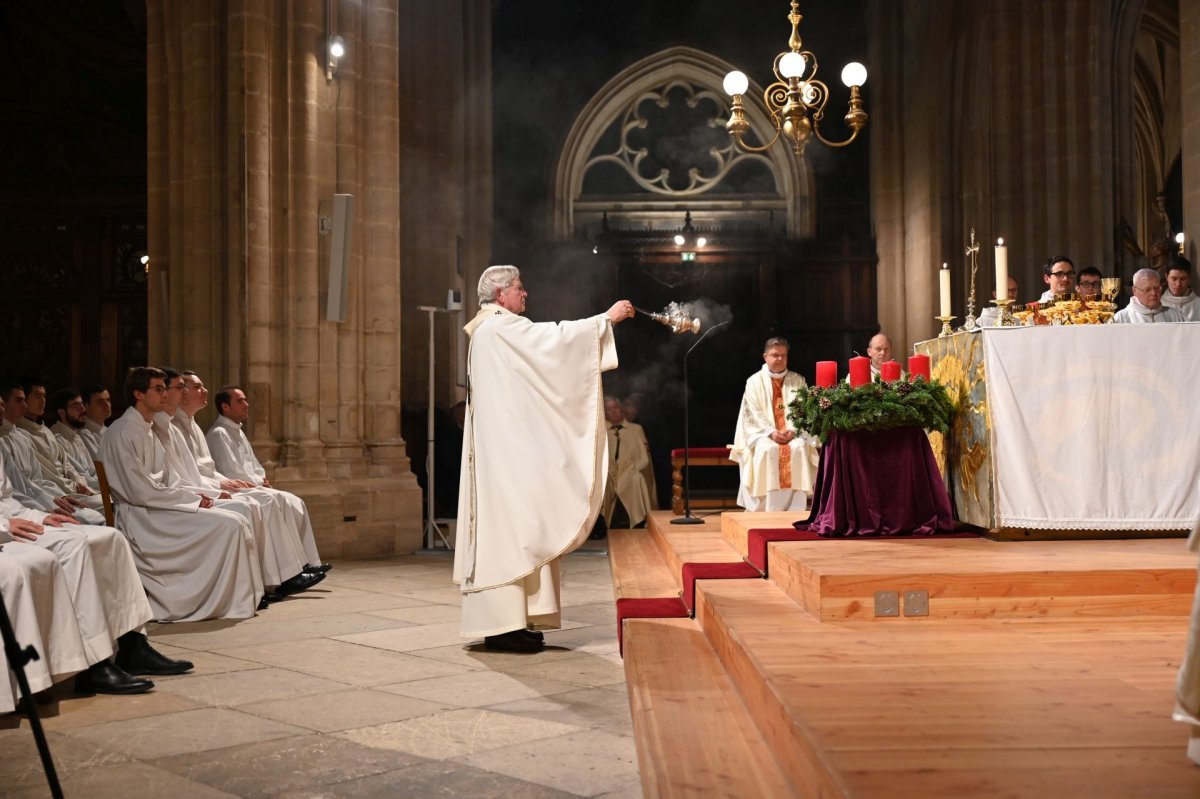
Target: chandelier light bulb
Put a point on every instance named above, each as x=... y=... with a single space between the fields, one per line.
x=700 y=242
x=792 y=65
x=854 y=74
x=679 y=239
x=736 y=83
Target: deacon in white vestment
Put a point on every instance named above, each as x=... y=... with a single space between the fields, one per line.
x=280 y=555
x=628 y=462
x=196 y=561
x=99 y=408
x=1146 y=304
x=35 y=480
x=534 y=459
x=1179 y=294
x=778 y=466
x=236 y=457
x=1059 y=274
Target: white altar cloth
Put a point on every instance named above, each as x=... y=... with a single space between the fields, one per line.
x=1094 y=427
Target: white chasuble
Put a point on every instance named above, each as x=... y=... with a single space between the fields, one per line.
x=758 y=456
x=534 y=462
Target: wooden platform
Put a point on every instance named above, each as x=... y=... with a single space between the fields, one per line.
x=1043 y=669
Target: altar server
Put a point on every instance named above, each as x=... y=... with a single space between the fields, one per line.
x=196 y=561
x=1146 y=304
x=1179 y=294
x=69 y=413
x=534 y=459
x=99 y=408
x=778 y=465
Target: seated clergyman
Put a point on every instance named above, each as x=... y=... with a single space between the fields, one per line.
x=1089 y=283
x=1059 y=274
x=778 y=465
x=1146 y=304
x=989 y=314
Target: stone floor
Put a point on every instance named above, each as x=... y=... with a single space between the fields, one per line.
x=360 y=687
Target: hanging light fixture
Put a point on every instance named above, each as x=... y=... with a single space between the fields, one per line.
x=795 y=94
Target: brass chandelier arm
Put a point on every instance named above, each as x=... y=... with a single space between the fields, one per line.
x=750 y=148
x=817 y=132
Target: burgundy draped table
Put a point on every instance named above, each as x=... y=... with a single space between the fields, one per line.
x=882 y=482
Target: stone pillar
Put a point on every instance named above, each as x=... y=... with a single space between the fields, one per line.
x=248 y=144
x=1189 y=65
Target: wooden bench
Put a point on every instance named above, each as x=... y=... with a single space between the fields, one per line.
x=700 y=456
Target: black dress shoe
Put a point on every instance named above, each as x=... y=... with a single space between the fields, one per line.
x=533 y=635
x=301 y=582
x=319 y=568
x=107 y=677
x=136 y=656
x=263 y=603
x=513 y=641
x=271 y=597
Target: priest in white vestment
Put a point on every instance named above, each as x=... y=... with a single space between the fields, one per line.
x=778 y=466
x=56 y=463
x=1179 y=294
x=196 y=561
x=534 y=459
x=1059 y=274
x=236 y=455
x=1146 y=305
x=628 y=462
x=67 y=410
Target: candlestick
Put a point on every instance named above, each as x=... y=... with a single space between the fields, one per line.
x=826 y=374
x=1001 y=270
x=945 y=320
x=889 y=371
x=944 y=288
x=860 y=371
x=918 y=366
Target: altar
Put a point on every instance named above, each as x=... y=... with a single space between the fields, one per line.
x=1065 y=431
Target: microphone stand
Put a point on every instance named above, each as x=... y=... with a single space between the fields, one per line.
x=17 y=658
x=687 y=517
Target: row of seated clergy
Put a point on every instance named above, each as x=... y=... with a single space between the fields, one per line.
x=72 y=592
x=777 y=465
x=203 y=552
x=629 y=487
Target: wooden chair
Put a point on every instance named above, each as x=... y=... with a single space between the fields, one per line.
x=105 y=495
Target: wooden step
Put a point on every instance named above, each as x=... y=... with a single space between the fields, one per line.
x=980 y=578
x=694 y=736
x=735 y=526
x=638 y=568
x=684 y=543
x=980 y=708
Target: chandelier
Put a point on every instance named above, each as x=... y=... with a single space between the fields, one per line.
x=793 y=96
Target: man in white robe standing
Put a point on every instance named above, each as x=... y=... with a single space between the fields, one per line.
x=225 y=453
x=628 y=462
x=534 y=459
x=1179 y=294
x=778 y=466
x=98 y=409
x=1146 y=304
x=196 y=561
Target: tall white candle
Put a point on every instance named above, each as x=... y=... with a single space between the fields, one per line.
x=1001 y=270
x=944 y=285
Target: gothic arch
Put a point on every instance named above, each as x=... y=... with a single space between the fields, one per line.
x=698 y=76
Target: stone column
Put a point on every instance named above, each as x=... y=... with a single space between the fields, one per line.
x=248 y=144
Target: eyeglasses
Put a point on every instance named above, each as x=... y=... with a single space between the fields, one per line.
x=159 y=389
x=1089 y=284
x=1068 y=273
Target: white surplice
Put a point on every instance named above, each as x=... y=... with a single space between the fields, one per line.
x=627 y=467
x=1187 y=306
x=534 y=463
x=232 y=456
x=78 y=455
x=56 y=462
x=36 y=482
x=1137 y=313
x=40 y=610
x=92 y=434
x=195 y=563
x=279 y=553
x=101 y=576
x=758 y=456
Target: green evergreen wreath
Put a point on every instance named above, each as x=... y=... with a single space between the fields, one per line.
x=874 y=406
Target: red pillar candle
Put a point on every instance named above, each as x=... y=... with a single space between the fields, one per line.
x=889 y=371
x=860 y=371
x=918 y=365
x=826 y=374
